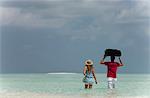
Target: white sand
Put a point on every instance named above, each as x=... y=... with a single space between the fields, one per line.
x=36 y=95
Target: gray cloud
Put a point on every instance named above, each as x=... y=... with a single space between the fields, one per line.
x=46 y=28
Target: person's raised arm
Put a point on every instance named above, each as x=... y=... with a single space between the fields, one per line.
x=102 y=61
x=121 y=64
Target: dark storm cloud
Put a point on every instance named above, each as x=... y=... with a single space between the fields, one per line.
x=43 y=36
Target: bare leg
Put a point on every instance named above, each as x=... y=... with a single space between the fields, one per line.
x=90 y=86
x=86 y=86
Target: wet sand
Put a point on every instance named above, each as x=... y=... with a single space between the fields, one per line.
x=43 y=95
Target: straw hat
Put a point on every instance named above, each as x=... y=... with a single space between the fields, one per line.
x=89 y=62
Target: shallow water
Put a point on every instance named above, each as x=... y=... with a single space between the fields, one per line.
x=71 y=84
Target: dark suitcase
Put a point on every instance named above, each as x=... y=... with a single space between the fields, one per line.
x=112 y=52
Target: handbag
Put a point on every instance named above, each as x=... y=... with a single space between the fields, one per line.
x=112 y=52
x=84 y=79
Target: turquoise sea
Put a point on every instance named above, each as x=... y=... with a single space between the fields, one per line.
x=71 y=84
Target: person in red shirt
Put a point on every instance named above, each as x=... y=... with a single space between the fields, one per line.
x=112 y=70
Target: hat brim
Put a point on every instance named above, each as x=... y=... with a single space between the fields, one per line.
x=88 y=63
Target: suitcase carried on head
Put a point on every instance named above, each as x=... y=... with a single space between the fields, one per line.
x=112 y=52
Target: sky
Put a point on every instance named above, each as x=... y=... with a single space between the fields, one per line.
x=59 y=35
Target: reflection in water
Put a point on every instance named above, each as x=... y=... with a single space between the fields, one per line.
x=111 y=93
x=108 y=94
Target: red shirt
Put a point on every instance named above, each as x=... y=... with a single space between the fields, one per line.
x=112 y=69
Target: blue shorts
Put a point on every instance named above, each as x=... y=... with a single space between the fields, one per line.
x=88 y=80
